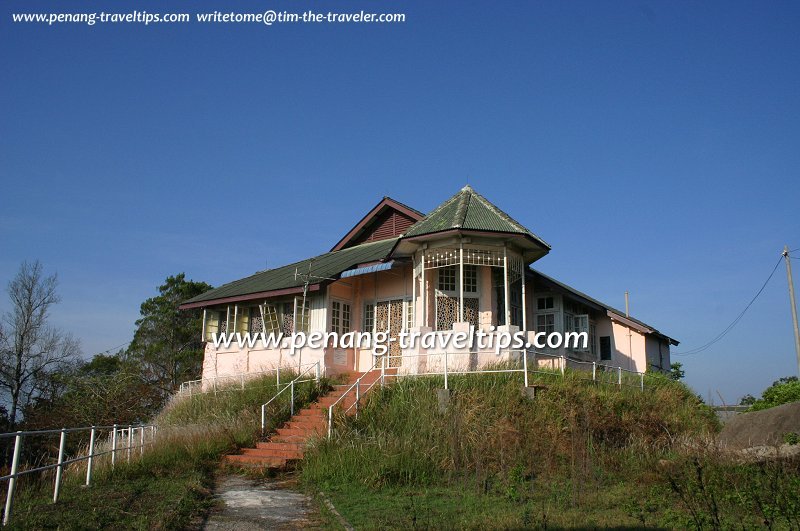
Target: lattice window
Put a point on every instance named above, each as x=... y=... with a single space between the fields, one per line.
x=287 y=323
x=222 y=318
x=409 y=314
x=447 y=311
x=255 y=322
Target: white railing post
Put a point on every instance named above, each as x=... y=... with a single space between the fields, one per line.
x=263 y=418
x=445 y=369
x=113 y=445
x=330 y=421
x=641 y=375
x=383 y=370
x=130 y=441
x=152 y=436
x=91 y=458
x=60 y=467
x=594 y=371
x=358 y=394
x=317 y=372
x=525 y=365
x=141 y=441
x=291 y=405
x=619 y=376
x=12 y=481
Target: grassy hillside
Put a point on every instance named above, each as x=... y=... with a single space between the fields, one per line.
x=576 y=455
x=170 y=485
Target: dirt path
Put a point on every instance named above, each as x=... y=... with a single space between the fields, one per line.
x=250 y=504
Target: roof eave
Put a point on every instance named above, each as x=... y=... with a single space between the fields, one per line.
x=249 y=297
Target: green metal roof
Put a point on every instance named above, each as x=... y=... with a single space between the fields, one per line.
x=469 y=210
x=324 y=266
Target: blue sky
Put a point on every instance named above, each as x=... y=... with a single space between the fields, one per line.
x=654 y=145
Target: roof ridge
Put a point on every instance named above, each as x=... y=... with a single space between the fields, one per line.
x=464 y=198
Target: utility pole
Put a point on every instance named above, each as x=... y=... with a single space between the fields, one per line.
x=787 y=258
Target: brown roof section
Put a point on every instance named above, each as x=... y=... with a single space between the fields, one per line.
x=387 y=219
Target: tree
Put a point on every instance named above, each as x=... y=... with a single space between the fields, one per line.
x=167 y=341
x=107 y=389
x=782 y=391
x=676 y=371
x=29 y=347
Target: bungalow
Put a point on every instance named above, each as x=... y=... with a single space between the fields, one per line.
x=464 y=264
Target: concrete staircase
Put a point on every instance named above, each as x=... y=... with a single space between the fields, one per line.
x=289 y=441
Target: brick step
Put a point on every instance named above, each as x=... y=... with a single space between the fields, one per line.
x=297 y=445
x=310 y=426
x=293 y=438
x=307 y=419
x=267 y=462
x=307 y=412
x=300 y=432
x=268 y=453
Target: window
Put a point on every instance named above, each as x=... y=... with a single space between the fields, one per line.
x=605 y=347
x=369 y=317
x=447 y=278
x=301 y=315
x=545 y=303
x=581 y=325
x=546 y=322
x=409 y=314
x=470 y=279
x=340 y=317
x=593 y=339
x=272 y=321
x=215 y=323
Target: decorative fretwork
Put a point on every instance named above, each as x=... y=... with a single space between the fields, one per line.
x=396 y=324
x=447 y=256
x=287 y=323
x=222 y=318
x=447 y=311
x=255 y=323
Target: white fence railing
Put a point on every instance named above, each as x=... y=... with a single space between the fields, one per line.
x=297 y=380
x=132 y=437
x=447 y=364
x=230 y=382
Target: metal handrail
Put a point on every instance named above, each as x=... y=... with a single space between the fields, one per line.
x=561 y=368
x=233 y=378
x=62 y=462
x=288 y=386
x=357 y=386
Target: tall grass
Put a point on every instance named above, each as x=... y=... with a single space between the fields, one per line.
x=171 y=482
x=577 y=454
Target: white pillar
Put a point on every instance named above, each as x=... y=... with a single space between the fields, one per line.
x=424 y=292
x=524 y=301
x=460 y=281
x=507 y=290
x=413 y=294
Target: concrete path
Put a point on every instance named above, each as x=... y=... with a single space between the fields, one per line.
x=249 y=504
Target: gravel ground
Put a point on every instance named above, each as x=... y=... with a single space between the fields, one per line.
x=250 y=504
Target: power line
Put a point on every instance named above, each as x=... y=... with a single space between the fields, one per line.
x=113 y=348
x=735 y=321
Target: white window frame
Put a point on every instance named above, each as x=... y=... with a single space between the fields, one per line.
x=340 y=327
